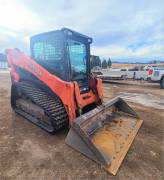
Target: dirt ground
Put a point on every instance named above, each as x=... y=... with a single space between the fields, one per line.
x=27 y=152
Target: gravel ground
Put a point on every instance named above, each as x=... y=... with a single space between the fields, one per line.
x=27 y=152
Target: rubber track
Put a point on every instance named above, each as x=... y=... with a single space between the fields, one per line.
x=52 y=106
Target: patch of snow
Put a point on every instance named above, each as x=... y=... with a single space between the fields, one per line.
x=148 y=100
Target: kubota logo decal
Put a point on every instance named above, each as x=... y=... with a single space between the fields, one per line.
x=35 y=69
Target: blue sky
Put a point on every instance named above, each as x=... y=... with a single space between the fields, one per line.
x=121 y=29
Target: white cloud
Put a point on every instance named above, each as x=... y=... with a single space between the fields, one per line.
x=6 y=34
x=15 y=16
x=151 y=51
x=113 y=51
x=117 y=24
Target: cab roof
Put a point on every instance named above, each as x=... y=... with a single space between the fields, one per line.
x=64 y=30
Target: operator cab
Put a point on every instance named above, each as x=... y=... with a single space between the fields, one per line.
x=64 y=53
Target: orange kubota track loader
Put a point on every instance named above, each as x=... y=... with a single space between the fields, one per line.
x=54 y=89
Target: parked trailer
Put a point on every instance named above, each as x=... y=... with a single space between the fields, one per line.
x=124 y=74
x=111 y=77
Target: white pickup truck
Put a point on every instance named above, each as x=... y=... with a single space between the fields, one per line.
x=156 y=74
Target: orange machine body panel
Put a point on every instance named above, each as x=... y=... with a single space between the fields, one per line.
x=68 y=92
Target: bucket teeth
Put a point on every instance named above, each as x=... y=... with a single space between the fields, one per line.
x=105 y=133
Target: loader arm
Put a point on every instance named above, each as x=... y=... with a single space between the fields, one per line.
x=67 y=91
